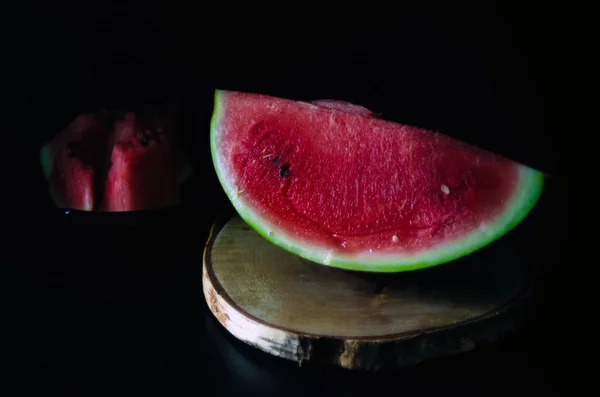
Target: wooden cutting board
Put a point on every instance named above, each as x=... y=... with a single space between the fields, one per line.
x=302 y=311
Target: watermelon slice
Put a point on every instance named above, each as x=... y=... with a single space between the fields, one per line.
x=70 y=162
x=335 y=184
x=131 y=166
x=144 y=167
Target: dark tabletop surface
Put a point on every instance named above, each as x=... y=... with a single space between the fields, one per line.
x=96 y=305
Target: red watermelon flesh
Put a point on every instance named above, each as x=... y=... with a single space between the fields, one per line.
x=336 y=185
x=144 y=167
x=133 y=164
x=70 y=162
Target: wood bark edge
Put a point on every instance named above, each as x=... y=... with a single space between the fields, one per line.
x=359 y=353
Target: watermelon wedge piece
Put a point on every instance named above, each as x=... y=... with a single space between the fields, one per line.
x=70 y=162
x=333 y=183
x=144 y=166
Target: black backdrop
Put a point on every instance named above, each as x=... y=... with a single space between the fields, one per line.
x=77 y=320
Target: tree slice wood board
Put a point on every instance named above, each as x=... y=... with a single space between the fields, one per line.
x=307 y=312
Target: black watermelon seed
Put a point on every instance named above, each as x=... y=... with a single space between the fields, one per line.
x=284 y=171
x=276 y=159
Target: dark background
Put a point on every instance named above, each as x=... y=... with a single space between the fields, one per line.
x=111 y=303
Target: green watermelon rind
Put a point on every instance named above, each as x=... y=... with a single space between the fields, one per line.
x=46 y=160
x=523 y=201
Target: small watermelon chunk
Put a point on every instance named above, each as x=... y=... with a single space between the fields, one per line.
x=337 y=185
x=144 y=167
x=70 y=162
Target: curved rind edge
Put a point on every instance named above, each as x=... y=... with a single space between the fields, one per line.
x=46 y=161
x=531 y=184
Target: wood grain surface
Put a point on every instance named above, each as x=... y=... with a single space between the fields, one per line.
x=292 y=308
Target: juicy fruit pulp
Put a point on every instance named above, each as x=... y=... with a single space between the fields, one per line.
x=128 y=164
x=334 y=184
x=143 y=172
x=72 y=160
